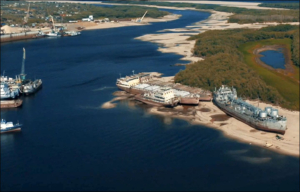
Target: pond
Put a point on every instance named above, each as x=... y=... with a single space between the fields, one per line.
x=274 y=58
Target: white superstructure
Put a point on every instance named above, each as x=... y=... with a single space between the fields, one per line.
x=7 y=93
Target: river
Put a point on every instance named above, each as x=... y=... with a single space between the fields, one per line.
x=69 y=143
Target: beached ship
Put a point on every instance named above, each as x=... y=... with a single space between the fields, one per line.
x=9 y=126
x=162 y=97
x=137 y=84
x=10 y=103
x=267 y=120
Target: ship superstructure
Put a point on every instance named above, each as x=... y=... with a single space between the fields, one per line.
x=144 y=82
x=267 y=120
x=7 y=93
x=160 y=96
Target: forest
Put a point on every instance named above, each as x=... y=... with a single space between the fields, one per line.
x=224 y=63
x=281 y=5
x=241 y=15
x=117 y=12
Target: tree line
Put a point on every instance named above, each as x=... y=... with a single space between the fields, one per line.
x=241 y=15
x=224 y=63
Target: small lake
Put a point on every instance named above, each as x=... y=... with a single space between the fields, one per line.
x=273 y=58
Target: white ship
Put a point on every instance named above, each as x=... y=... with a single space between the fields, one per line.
x=9 y=126
x=7 y=93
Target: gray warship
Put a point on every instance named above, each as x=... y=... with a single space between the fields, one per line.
x=267 y=120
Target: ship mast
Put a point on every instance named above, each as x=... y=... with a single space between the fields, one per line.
x=22 y=75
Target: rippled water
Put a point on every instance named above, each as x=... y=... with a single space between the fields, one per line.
x=273 y=58
x=69 y=143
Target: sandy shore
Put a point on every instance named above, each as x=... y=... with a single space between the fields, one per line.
x=207 y=114
x=178 y=43
x=93 y=25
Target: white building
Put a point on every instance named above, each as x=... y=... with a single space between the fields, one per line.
x=90 y=18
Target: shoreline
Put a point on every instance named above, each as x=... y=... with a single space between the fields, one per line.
x=177 y=43
x=209 y=115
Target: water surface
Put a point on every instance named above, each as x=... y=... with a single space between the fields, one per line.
x=69 y=143
x=273 y=58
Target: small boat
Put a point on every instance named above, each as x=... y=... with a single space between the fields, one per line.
x=72 y=33
x=31 y=86
x=40 y=34
x=9 y=126
x=10 y=103
x=53 y=34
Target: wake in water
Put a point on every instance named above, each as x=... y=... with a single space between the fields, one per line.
x=103 y=88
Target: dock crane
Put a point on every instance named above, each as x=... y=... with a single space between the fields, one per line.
x=26 y=17
x=139 y=20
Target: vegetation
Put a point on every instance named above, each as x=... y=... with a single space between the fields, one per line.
x=14 y=12
x=241 y=15
x=281 y=5
x=117 y=12
x=228 y=61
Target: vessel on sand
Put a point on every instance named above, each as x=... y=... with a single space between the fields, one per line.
x=267 y=120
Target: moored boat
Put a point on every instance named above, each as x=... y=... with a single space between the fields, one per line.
x=32 y=86
x=7 y=93
x=9 y=126
x=11 y=103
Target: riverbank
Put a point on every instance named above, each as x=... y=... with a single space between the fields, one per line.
x=206 y=113
x=93 y=25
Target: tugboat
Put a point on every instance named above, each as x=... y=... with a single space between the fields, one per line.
x=9 y=126
x=32 y=86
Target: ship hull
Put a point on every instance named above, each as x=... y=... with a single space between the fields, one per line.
x=131 y=90
x=183 y=100
x=205 y=98
x=11 y=103
x=33 y=90
x=11 y=129
x=189 y=100
x=149 y=102
x=256 y=126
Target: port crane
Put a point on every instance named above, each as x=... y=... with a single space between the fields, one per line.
x=22 y=74
x=139 y=20
x=26 y=17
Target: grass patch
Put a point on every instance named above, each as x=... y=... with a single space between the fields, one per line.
x=287 y=86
